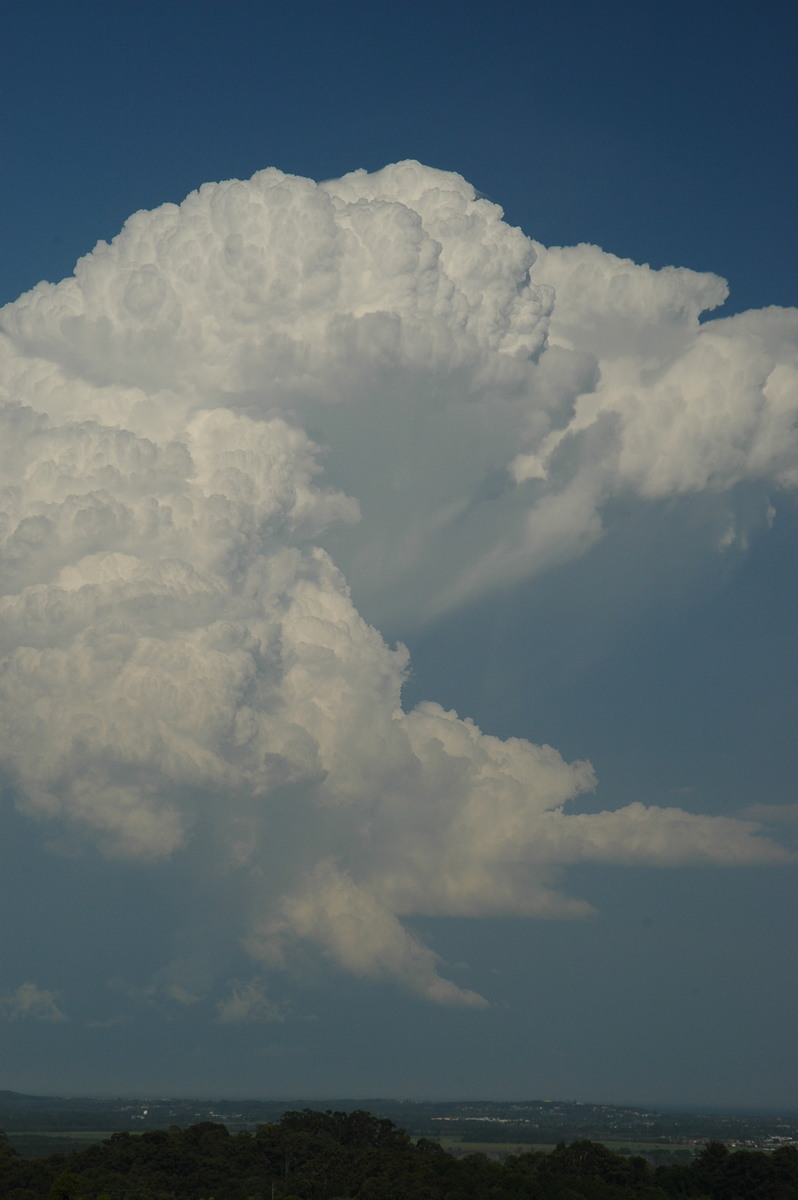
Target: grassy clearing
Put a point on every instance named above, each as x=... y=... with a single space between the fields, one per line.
x=455 y=1145
x=83 y=1135
x=460 y=1147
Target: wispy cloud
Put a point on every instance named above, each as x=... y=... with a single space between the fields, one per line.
x=248 y=1002
x=30 y=1002
x=771 y=814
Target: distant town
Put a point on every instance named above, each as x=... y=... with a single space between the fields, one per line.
x=41 y=1125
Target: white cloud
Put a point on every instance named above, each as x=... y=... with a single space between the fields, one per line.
x=30 y=1002
x=241 y=396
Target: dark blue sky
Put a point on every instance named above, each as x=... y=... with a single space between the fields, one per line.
x=662 y=132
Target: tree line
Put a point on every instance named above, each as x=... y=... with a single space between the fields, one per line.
x=355 y=1156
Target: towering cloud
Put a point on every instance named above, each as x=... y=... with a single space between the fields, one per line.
x=242 y=397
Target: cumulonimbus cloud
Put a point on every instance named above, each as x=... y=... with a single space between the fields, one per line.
x=248 y=400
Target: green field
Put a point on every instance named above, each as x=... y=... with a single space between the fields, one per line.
x=83 y=1135
x=456 y=1145
x=38 y=1144
x=41 y=1144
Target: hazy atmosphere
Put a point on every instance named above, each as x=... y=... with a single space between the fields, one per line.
x=398 y=523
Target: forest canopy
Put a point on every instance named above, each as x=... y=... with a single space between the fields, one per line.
x=330 y=1155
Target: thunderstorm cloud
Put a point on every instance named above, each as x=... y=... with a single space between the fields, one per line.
x=250 y=403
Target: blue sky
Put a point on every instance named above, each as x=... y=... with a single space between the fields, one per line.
x=660 y=133
x=663 y=133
